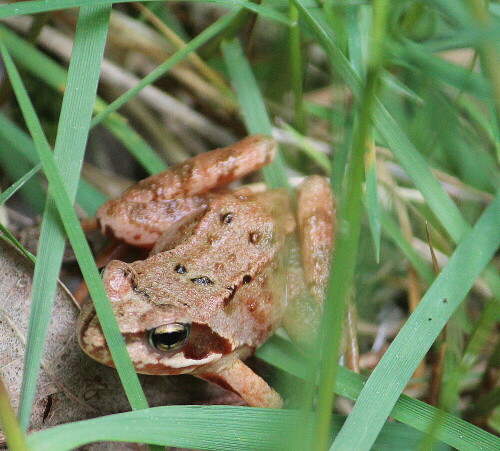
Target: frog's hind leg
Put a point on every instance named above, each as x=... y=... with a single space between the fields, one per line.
x=309 y=264
x=316 y=218
x=240 y=379
x=148 y=208
x=205 y=171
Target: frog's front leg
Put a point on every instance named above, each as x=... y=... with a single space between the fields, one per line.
x=239 y=378
x=310 y=264
x=145 y=210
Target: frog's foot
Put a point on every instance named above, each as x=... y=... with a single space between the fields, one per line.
x=239 y=378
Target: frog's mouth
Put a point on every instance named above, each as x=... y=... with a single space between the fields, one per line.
x=178 y=348
x=171 y=348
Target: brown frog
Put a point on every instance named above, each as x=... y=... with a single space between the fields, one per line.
x=225 y=269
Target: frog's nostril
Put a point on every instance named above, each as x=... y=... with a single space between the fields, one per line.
x=254 y=237
x=226 y=218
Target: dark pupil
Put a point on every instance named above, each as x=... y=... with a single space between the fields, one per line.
x=169 y=339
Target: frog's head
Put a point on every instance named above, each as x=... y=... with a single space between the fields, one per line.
x=162 y=337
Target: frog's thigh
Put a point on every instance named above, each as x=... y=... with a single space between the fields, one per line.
x=142 y=223
x=205 y=171
x=316 y=219
x=239 y=378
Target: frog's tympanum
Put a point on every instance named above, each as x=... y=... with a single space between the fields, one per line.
x=225 y=269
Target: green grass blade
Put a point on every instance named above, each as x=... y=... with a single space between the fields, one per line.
x=55 y=76
x=13 y=434
x=252 y=106
x=341 y=278
x=36 y=6
x=206 y=427
x=455 y=432
x=73 y=131
x=61 y=198
x=422 y=328
x=409 y=157
x=206 y=35
x=371 y=200
x=8 y=237
x=305 y=146
x=18 y=184
x=296 y=67
x=52 y=238
x=394 y=232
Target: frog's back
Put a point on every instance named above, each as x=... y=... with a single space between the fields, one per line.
x=230 y=269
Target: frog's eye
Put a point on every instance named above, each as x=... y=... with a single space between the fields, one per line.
x=169 y=336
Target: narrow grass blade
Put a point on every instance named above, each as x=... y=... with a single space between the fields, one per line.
x=455 y=432
x=18 y=184
x=371 y=199
x=296 y=66
x=35 y=6
x=70 y=221
x=314 y=154
x=394 y=232
x=341 y=277
x=252 y=106
x=13 y=434
x=7 y=236
x=75 y=117
x=415 y=338
x=55 y=76
x=207 y=34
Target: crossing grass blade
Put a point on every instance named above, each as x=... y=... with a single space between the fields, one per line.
x=43 y=67
x=18 y=184
x=74 y=121
x=210 y=427
x=205 y=36
x=35 y=6
x=417 y=335
x=78 y=241
x=252 y=106
x=417 y=414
